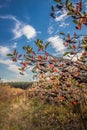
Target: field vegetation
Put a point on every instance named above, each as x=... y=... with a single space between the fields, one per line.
x=58 y=100
x=34 y=109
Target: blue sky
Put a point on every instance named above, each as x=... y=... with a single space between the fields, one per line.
x=21 y=23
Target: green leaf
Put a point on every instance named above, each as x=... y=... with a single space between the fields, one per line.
x=52 y=8
x=24 y=47
x=84 y=42
x=75 y=21
x=70 y=4
x=71 y=7
x=20 y=69
x=47 y=44
x=10 y=54
x=62 y=33
x=70 y=13
x=67 y=1
x=39 y=43
x=21 y=73
x=52 y=15
x=66 y=53
x=84 y=13
x=70 y=47
x=34 y=69
x=57 y=0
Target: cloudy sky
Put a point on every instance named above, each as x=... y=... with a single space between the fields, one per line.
x=21 y=23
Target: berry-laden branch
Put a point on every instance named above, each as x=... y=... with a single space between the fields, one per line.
x=73 y=9
x=45 y=64
x=60 y=75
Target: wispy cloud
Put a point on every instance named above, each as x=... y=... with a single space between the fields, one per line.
x=61 y=17
x=85 y=6
x=74 y=57
x=13 y=68
x=63 y=24
x=58 y=22
x=14 y=45
x=4 y=4
x=21 y=78
x=57 y=44
x=21 y=28
x=28 y=31
x=50 y=29
x=4 y=50
x=10 y=65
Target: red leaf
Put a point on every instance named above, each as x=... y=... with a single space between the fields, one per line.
x=76 y=74
x=19 y=56
x=14 y=60
x=52 y=76
x=50 y=81
x=39 y=50
x=63 y=74
x=77 y=9
x=60 y=98
x=74 y=102
x=66 y=43
x=74 y=46
x=84 y=20
x=46 y=54
x=41 y=76
x=68 y=37
x=56 y=85
x=15 y=52
x=56 y=70
x=40 y=57
x=24 y=64
x=79 y=26
x=84 y=53
x=34 y=53
x=51 y=66
x=39 y=67
x=80 y=5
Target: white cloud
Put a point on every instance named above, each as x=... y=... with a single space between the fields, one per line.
x=4 y=80
x=74 y=57
x=28 y=31
x=14 y=45
x=21 y=28
x=22 y=77
x=50 y=30
x=85 y=6
x=57 y=44
x=13 y=68
x=1 y=6
x=63 y=24
x=6 y=62
x=17 y=31
x=10 y=65
x=9 y=17
x=5 y=4
x=59 y=22
x=61 y=17
x=4 y=50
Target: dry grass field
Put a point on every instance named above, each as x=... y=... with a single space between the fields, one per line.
x=22 y=110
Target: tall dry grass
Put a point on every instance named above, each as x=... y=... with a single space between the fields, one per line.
x=20 y=110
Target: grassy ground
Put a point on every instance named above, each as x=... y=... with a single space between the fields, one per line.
x=19 y=111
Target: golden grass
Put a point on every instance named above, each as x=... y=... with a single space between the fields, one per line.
x=19 y=111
